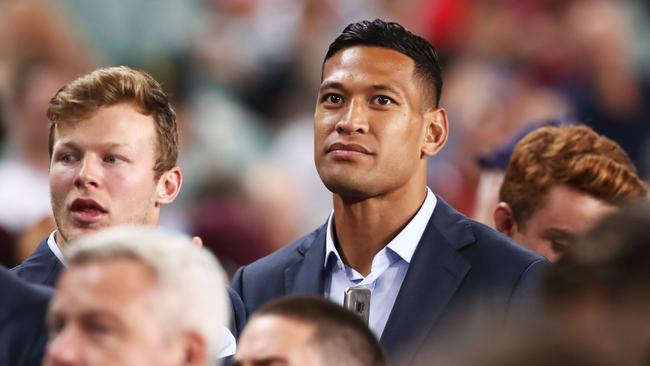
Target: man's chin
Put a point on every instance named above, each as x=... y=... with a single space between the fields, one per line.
x=71 y=234
x=347 y=190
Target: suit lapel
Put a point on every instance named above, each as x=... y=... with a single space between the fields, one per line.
x=307 y=276
x=435 y=273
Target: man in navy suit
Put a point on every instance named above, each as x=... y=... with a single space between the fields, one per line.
x=377 y=121
x=22 y=320
x=113 y=147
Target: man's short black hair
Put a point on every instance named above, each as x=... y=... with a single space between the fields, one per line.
x=379 y=33
x=340 y=336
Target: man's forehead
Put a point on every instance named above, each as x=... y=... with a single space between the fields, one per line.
x=112 y=277
x=369 y=58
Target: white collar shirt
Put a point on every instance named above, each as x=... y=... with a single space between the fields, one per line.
x=388 y=269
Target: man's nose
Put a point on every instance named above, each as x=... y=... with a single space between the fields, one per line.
x=88 y=173
x=355 y=119
x=64 y=349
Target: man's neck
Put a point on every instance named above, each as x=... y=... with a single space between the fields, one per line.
x=365 y=227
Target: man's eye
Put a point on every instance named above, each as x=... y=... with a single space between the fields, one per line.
x=333 y=98
x=111 y=159
x=383 y=100
x=67 y=158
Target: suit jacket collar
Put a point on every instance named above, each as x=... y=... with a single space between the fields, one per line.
x=307 y=276
x=435 y=274
x=42 y=267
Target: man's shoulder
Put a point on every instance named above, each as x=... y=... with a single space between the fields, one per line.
x=494 y=246
x=22 y=313
x=19 y=292
x=478 y=242
x=42 y=267
x=286 y=255
x=296 y=264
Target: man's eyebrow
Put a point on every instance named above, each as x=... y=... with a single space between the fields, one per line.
x=73 y=145
x=331 y=85
x=384 y=87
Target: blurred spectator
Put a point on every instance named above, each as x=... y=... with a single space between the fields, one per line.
x=521 y=346
x=599 y=292
x=296 y=331
x=39 y=52
x=172 y=310
x=24 y=188
x=224 y=217
x=610 y=93
x=559 y=182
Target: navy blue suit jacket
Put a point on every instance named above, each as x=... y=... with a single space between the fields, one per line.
x=457 y=261
x=44 y=268
x=22 y=320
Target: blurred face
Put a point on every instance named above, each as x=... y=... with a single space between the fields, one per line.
x=270 y=340
x=98 y=318
x=369 y=124
x=564 y=214
x=101 y=172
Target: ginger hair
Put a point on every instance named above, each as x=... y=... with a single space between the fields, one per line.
x=574 y=156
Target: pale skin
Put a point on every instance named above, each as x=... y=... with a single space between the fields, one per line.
x=375 y=126
x=97 y=318
x=564 y=214
x=101 y=173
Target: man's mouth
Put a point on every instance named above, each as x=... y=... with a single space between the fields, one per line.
x=341 y=149
x=87 y=211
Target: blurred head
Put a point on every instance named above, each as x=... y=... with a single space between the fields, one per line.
x=34 y=83
x=559 y=182
x=377 y=117
x=599 y=292
x=307 y=331
x=113 y=148
x=136 y=296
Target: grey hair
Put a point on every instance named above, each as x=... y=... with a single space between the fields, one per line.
x=189 y=281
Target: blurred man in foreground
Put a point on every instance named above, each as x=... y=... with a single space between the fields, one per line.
x=559 y=182
x=307 y=331
x=136 y=296
x=599 y=292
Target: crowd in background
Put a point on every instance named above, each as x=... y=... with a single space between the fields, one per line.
x=243 y=76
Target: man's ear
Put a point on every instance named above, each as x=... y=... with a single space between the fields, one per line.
x=437 y=130
x=195 y=350
x=504 y=222
x=169 y=185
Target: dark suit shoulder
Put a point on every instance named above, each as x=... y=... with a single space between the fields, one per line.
x=238 y=313
x=287 y=255
x=269 y=277
x=22 y=315
x=42 y=267
x=492 y=247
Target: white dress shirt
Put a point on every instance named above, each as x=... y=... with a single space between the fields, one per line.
x=388 y=269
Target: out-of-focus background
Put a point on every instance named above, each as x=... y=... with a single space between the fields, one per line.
x=243 y=76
